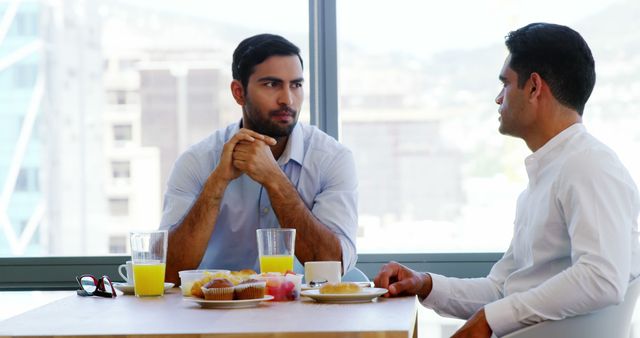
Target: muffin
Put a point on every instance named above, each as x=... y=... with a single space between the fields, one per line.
x=218 y=289
x=250 y=289
x=340 y=288
x=238 y=276
x=244 y=273
x=196 y=287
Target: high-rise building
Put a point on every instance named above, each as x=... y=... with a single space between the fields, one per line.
x=180 y=102
x=50 y=104
x=22 y=202
x=72 y=129
x=132 y=175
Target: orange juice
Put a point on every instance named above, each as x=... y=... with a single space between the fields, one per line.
x=148 y=279
x=275 y=263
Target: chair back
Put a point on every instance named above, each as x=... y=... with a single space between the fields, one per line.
x=355 y=275
x=611 y=322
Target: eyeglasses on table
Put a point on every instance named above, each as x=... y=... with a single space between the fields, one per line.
x=92 y=286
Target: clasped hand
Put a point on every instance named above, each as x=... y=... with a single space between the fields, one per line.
x=248 y=152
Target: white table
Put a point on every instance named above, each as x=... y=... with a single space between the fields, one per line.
x=13 y=303
x=171 y=316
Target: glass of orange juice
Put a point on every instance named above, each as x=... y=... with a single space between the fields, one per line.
x=149 y=257
x=276 y=249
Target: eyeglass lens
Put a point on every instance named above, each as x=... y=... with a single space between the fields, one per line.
x=106 y=285
x=88 y=284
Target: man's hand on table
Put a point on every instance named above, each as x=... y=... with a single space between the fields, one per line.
x=402 y=281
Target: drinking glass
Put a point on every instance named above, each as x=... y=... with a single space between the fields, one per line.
x=276 y=249
x=149 y=257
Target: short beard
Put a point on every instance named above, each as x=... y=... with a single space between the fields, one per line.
x=267 y=127
x=273 y=130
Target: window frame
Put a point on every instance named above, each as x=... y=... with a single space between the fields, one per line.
x=56 y=273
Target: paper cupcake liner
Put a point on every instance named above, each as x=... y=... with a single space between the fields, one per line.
x=253 y=290
x=218 y=293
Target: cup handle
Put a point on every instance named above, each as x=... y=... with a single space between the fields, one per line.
x=121 y=273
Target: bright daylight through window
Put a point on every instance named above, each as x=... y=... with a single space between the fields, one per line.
x=98 y=98
x=417 y=85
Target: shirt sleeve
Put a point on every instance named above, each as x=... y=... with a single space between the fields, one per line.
x=336 y=206
x=183 y=188
x=462 y=297
x=600 y=206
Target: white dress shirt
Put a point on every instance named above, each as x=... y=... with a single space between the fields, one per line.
x=575 y=243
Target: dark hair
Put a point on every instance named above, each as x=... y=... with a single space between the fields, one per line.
x=254 y=50
x=561 y=57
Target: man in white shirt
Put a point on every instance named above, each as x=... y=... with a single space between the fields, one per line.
x=575 y=244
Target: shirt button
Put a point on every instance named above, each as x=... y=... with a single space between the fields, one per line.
x=265 y=211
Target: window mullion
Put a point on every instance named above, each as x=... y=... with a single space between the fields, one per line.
x=323 y=67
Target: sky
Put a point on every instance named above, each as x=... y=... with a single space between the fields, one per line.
x=415 y=27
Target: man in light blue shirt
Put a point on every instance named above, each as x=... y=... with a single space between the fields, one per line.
x=267 y=171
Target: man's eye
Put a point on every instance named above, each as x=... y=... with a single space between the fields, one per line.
x=270 y=84
x=297 y=85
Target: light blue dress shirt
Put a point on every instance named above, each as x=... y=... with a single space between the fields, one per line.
x=322 y=170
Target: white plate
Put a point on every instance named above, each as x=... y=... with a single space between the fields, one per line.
x=367 y=295
x=128 y=289
x=362 y=285
x=227 y=304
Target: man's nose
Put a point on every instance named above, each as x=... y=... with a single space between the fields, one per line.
x=499 y=98
x=285 y=97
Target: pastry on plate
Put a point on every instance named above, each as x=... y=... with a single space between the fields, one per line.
x=340 y=288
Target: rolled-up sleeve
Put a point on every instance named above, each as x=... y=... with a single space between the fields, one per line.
x=183 y=187
x=336 y=205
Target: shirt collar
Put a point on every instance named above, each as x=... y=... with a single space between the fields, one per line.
x=295 y=147
x=535 y=162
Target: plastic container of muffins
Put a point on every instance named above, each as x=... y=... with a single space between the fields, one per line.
x=188 y=277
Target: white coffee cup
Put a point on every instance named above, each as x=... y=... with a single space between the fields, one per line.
x=128 y=272
x=330 y=271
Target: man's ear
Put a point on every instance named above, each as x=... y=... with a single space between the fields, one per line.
x=535 y=85
x=237 y=90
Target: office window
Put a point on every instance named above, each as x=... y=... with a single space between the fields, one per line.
x=119 y=206
x=121 y=97
x=27 y=180
x=417 y=86
x=26 y=24
x=24 y=75
x=138 y=80
x=121 y=169
x=122 y=132
x=22 y=182
x=118 y=243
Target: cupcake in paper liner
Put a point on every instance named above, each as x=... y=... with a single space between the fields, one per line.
x=218 y=289
x=250 y=289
